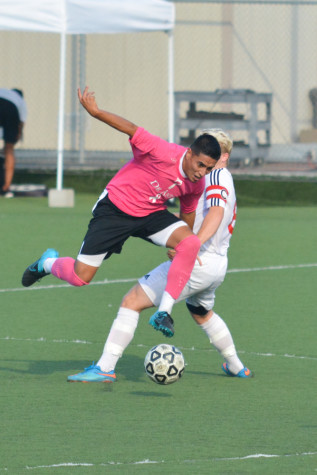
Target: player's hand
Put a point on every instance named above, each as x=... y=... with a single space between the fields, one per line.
x=88 y=101
x=199 y=261
x=171 y=254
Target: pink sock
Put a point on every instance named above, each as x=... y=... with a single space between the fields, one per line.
x=182 y=265
x=63 y=268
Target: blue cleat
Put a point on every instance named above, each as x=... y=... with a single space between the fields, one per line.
x=93 y=374
x=243 y=373
x=36 y=271
x=163 y=322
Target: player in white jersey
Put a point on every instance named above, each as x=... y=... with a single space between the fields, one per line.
x=214 y=223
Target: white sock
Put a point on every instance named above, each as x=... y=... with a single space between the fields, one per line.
x=48 y=263
x=220 y=337
x=120 y=335
x=166 y=303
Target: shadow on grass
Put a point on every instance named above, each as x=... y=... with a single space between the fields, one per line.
x=205 y=373
x=131 y=368
x=149 y=393
x=44 y=366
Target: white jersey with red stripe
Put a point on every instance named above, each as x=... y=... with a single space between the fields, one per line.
x=219 y=191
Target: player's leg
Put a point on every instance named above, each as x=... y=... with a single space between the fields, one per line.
x=10 y=122
x=186 y=244
x=9 y=165
x=100 y=241
x=220 y=337
x=124 y=326
x=119 y=337
x=64 y=268
x=72 y=271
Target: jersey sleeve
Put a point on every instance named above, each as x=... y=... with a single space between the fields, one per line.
x=144 y=144
x=217 y=188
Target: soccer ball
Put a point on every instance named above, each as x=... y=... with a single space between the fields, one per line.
x=164 y=364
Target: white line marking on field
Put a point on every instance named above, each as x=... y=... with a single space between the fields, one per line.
x=145 y=462
x=45 y=340
x=259 y=269
x=61 y=286
x=284 y=356
x=256 y=456
x=141 y=345
x=244 y=352
x=134 y=279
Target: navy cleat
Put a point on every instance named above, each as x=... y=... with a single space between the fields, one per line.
x=36 y=271
x=163 y=322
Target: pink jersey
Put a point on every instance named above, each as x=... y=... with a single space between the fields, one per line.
x=153 y=176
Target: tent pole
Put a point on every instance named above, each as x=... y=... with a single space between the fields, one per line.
x=61 y=112
x=82 y=84
x=171 y=112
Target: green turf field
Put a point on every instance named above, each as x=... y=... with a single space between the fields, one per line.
x=206 y=423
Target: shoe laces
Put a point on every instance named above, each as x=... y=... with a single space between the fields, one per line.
x=92 y=366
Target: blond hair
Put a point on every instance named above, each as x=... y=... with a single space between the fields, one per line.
x=224 y=139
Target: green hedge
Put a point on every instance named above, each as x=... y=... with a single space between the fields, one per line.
x=260 y=191
x=92 y=181
x=275 y=193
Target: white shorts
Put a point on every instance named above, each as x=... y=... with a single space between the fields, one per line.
x=199 y=290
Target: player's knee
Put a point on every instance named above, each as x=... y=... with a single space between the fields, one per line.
x=131 y=300
x=84 y=273
x=127 y=301
x=136 y=299
x=77 y=281
x=200 y=311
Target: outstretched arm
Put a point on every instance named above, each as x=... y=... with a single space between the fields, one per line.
x=88 y=101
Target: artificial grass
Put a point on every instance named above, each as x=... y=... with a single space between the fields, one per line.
x=206 y=423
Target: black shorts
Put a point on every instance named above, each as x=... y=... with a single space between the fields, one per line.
x=110 y=228
x=9 y=120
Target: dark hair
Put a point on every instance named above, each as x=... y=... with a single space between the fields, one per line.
x=207 y=145
x=19 y=91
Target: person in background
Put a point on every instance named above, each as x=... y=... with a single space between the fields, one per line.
x=13 y=114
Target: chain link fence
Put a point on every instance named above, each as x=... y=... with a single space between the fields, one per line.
x=239 y=48
x=244 y=48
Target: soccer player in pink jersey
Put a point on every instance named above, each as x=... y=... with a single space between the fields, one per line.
x=134 y=204
x=214 y=223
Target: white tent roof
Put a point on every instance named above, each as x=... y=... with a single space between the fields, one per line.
x=86 y=16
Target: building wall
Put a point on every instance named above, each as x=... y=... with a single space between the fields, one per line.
x=266 y=48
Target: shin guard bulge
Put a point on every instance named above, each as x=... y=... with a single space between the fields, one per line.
x=182 y=265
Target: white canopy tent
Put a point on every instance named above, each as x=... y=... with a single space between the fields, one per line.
x=67 y=17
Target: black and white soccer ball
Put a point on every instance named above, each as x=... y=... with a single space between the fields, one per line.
x=164 y=364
